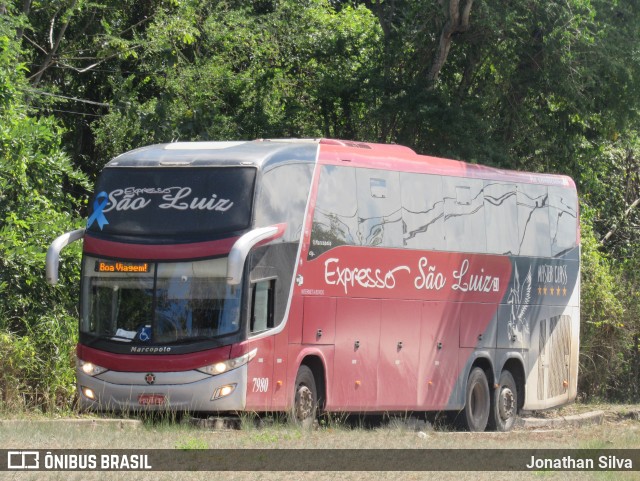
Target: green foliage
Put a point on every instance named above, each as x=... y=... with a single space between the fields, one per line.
x=601 y=315
x=37 y=202
x=539 y=86
x=191 y=443
x=610 y=288
x=289 y=72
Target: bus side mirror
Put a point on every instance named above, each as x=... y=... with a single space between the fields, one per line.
x=240 y=250
x=53 y=254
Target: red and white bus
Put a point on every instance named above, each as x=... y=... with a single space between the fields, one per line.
x=296 y=275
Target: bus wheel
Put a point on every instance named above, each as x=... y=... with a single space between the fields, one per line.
x=306 y=398
x=477 y=401
x=504 y=403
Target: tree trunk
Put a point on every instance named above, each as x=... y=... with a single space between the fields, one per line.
x=54 y=48
x=457 y=22
x=26 y=8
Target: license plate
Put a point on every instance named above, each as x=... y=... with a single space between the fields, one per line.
x=151 y=399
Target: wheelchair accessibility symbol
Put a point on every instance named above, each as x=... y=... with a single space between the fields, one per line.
x=144 y=333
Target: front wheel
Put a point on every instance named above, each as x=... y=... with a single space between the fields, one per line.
x=305 y=402
x=477 y=401
x=504 y=404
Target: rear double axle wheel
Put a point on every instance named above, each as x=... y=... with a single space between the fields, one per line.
x=504 y=403
x=477 y=401
x=496 y=409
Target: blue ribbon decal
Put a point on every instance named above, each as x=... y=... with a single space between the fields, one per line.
x=99 y=204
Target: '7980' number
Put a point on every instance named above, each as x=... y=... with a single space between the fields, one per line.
x=260 y=384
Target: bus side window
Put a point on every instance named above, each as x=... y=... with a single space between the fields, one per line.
x=262 y=302
x=464 y=222
x=563 y=218
x=501 y=215
x=283 y=198
x=533 y=220
x=379 y=208
x=422 y=211
x=335 y=219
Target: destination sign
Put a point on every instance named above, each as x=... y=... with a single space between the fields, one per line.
x=115 y=266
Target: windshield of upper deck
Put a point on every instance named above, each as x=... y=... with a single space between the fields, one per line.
x=184 y=202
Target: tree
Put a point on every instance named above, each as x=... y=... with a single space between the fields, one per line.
x=39 y=192
x=248 y=72
x=534 y=85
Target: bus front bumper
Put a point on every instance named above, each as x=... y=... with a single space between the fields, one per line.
x=175 y=391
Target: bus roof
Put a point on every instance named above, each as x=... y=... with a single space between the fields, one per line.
x=264 y=153
x=403 y=159
x=208 y=154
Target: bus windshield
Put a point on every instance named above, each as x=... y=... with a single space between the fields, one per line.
x=158 y=303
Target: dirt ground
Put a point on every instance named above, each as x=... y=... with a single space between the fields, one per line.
x=617 y=428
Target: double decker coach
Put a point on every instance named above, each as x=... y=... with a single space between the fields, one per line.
x=307 y=275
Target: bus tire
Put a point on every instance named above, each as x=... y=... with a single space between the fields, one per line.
x=477 y=401
x=504 y=404
x=305 y=401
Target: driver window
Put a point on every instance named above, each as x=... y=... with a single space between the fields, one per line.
x=262 y=297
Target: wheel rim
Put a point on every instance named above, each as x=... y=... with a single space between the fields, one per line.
x=304 y=403
x=506 y=404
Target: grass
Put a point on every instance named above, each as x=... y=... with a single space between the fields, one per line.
x=40 y=432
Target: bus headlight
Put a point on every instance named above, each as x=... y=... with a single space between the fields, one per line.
x=224 y=366
x=88 y=393
x=90 y=368
x=223 y=391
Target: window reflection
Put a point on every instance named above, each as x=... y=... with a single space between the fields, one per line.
x=357 y=206
x=171 y=303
